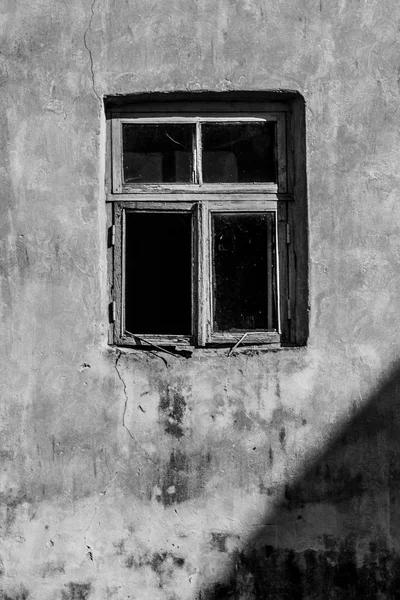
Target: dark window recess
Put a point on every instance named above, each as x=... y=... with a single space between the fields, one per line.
x=158 y=273
x=238 y=153
x=161 y=153
x=244 y=273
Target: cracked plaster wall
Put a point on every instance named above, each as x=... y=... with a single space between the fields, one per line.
x=127 y=476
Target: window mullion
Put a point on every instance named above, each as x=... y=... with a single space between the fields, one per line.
x=281 y=154
x=117 y=166
x=199 y=154
x=117 y=295
x=283 y=279
x=203 y=278
x=278 y=272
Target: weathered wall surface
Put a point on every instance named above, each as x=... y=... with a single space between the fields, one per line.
x=271 y=475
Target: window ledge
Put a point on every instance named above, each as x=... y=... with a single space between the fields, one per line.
x=187 y=351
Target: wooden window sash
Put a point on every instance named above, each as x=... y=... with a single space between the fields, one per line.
x=119 y=187
x=203 y=200
x=121 y=335
x=202 y=298
x=252 y=336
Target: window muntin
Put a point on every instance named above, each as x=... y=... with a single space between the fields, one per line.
x=203 y=200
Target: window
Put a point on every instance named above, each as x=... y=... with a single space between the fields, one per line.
x=207 y=221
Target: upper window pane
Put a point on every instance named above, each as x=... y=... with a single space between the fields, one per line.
x=157 y=153
x=238 y=152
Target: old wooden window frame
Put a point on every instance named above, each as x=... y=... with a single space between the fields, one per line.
x=202 y=201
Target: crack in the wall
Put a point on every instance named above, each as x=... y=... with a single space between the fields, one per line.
x=125 y=394
x=142 y=450
x=89 y=50
x=89 y=550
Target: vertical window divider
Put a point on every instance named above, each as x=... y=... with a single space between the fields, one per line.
x=195 y=175
x=199 y=154
x=277 y=273
x=211 y=271
x=203 y=316
x=270 y=274
x=281 y=154
x=123 y=270
x=117 y=155
x=117 y=296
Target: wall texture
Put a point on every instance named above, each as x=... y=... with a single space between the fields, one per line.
x=262 y=475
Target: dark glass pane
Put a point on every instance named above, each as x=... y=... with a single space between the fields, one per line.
x=158 y=273
x=157 y=153
x=244 y=271
x=238 y=152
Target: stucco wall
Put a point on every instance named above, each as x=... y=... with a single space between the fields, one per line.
x=129 y=475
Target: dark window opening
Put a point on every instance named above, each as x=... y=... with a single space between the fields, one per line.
x=244 y=275
x=238 y=152
x=160 y=153
x=158 y=273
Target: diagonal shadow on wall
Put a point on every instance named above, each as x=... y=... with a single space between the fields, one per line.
x=335 y=535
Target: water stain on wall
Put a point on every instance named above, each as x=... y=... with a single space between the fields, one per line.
x=20 y=593
x=218 y=541
x=76 y=591
x=12 y=500
x=173 y=486
x=172 y=407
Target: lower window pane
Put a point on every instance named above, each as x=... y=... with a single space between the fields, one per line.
x=244 y=271
x=158 y=273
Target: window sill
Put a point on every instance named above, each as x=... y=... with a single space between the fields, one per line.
x=143 y=340
x=187 y=352
x=217 y=339
x=226 y=343
x=245 y=337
